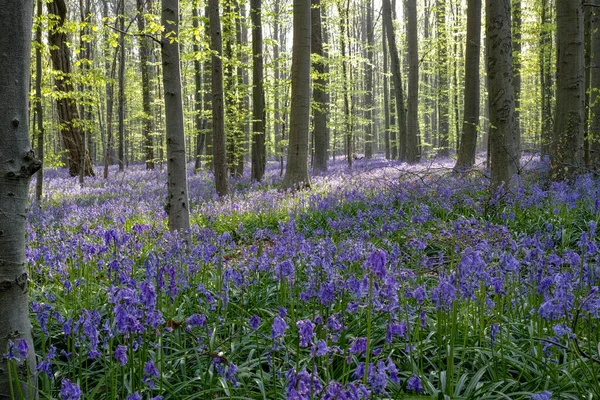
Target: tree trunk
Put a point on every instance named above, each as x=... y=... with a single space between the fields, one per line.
x=218 y=112
x=345 y=90
x=121 y=110
x=517 y=14
x=68 y=114
x=504 y=147
x=566 y=154
x=145 y=48
x=386 y=101
x=39 y=112
x=595 y=85
x=17 y=166
x=468 y=143
x=259 y=157
x=546 y=77
x=369 y=104
x=320 y=95
x=198 y=117
x=296 y=172
x=397 y=79
x=177 y=197
x=110 y=72
x=412 y=133
x=443 y=127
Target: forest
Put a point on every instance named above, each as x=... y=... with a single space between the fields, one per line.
x=294 y=199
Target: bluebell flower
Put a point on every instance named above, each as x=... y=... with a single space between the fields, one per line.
x=545 y=395
x=69 y=390
x=121 y=354
x=150 y=372
x=306 y=332
x=10 y=354
x=359 y=346
x=376 y=263
x=414 y=383
x=254 y=322
x=278 y=328
x=134 y=396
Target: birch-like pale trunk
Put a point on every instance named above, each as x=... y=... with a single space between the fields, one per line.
x=17 y=165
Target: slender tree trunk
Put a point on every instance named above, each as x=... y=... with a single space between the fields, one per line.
x=218 y=112
x=346 y=92
x=39 y=111
x=198 y=117
x=468 y=143
x=412 y=134
x=259 y=157
x=504 y=147
x=17 y=166
x=386 y=102
x=443 y=98
x=67 y=109
x=110 y=73
x=147 y=110
x=296 y=172
x=594 y=131
x=546 y=77
x=320 y=94
x=517 y=45
x=177 y=197
x=566 y=154
x=121 y=110
x=369 y=104
x=401 y=111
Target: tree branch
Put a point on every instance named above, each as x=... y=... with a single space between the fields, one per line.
x=125 y=32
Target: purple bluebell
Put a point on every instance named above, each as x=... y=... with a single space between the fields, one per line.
x=376 y=263
x=69 y=390
x=359 y=346
x=278 y=328
x=545 y=395
x=254 y=321
x=306 y=332
x=414 y=383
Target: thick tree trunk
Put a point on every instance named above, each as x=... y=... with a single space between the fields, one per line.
x=566 y=153
x=594 y=131
x=17 y=165
x=397 y=79
x=468 y=143
x=296 y=172
x=443 y=127
x=177 y=197
x=145 y=48
x=320 y=95
x=68 y=114
x=386 y=101
x=259 y=157
x=369 y=104
x=218 y=110
x=412 y=133
x=504 y=146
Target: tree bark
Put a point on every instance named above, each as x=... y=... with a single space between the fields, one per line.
x=468 y=143
x=17 y=166
x=110 y=73
x=218 y=111
x=296 y=172
x=198 y=117
x=320 y=95
x=121 y=109
x=566 y=153
x=177 y=197
x=594 y=131
x=386 y=101
x=68 y=114
x=517 y=13
x=259 y=157
x=397 y=79
x=443 y=128
x=504 y=146
x=145 y=48
x=343 y=13
x=412 y=133
x=39 y=111
x=546 y=77
x=369 y=104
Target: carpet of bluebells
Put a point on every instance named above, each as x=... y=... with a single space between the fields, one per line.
x=384 y=281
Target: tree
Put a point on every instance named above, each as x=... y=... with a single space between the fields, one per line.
x=320 y=95
x=369 y=82
x=121 y=108
x=443 y=99
x=503 y=136
x=546 y=77
x=218 y=109
x=177 y=197
x=147 y=110
x=296 y=171
x=566 y=153
x=468 y=142
x=17 y=166
x=68 y=114
x=199 y=121
x=595 y=89
x=397 y=79
x=517 y=17
x=412 y=153
x=259 y=156
x=39 y=111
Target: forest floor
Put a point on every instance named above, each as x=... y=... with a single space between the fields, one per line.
x=384 y=281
